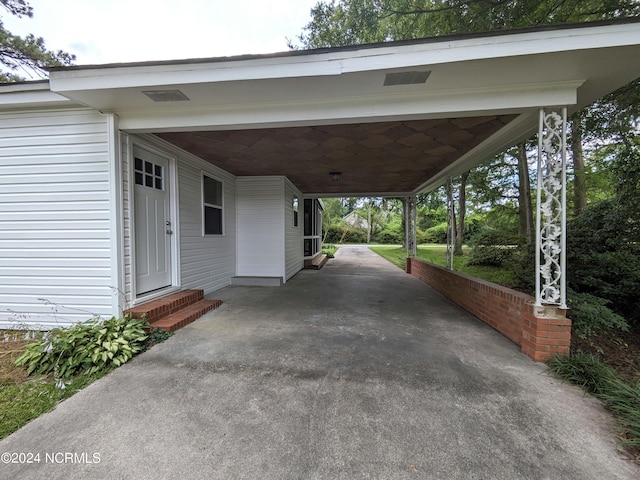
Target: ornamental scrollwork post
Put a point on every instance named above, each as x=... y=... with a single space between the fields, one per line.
x=551 y=209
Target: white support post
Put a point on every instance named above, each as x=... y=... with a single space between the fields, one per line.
x=410 y=219
x=551 y=208
x=451 y=224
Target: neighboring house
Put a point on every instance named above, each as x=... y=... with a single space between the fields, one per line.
x=355 y=220
x=122 y=183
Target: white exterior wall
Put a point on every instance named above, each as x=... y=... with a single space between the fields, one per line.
x=205 y=262
x=55 y=214
x=294 y=247
x=261 y=228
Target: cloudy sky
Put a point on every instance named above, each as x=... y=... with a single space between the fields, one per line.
x=111 y=31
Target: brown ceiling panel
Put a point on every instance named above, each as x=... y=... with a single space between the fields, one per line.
x=372 y=157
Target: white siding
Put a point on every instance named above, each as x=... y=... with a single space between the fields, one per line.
x=205 y=262
x=260 y=226
x=54 y=218
x=294 y=251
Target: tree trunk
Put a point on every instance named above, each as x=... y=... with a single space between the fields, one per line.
x=462 y=211
x=525 y=210
x=579 y=183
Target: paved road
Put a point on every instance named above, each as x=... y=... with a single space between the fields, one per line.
x=355 y=371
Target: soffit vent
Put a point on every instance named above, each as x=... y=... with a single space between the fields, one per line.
x=166 y=95
x=406 y=78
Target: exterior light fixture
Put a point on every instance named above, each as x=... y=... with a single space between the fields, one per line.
x=335 y=176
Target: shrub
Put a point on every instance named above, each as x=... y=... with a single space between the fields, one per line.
x=490 y=256
x=591 y=315
x=85 y=348
x=603 y=255
x=345 y=234
x=621 y=398
x=436 y=234
x=389 y=236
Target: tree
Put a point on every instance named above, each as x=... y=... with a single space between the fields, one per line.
x=27 y=52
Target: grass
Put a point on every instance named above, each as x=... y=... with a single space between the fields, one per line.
x=602 y=381
x=23 y=397
x=438 y=254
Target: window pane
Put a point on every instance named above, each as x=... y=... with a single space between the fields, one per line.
x=158 y=170
x=139 y=164
x=139 y=179
x=212 y=191
x=158 y=184
x=148 y=167
x=148 y=181
x=212 y=221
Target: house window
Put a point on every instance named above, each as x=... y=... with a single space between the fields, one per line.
x=148 y=174
x=295 y=211
x=212 y=206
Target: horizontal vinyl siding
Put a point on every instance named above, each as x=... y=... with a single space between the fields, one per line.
x=55 y=260
x=260 y=226
x=207 y=262
x=294 y=251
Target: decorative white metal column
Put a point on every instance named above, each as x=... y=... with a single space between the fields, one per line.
x=451 y=223
x=551 y=209
x=410 y=222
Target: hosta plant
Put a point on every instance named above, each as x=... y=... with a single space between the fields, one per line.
x=85 y=348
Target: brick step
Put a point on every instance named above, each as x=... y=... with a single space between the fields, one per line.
x=186 y=315
x=161 y=307
x=317 y=263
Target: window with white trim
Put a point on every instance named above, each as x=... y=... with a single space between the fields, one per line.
x=212 y=220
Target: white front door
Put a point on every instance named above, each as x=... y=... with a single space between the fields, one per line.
x=153 y=227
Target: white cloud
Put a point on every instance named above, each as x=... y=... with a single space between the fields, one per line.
x=101 y=31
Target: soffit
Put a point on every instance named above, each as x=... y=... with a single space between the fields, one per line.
x=373 y=158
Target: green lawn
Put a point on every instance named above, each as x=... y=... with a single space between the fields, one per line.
x=438 y=254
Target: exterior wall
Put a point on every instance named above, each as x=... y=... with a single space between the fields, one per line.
x=205 y=262
x=293 y=249
x=261 y=226
x=539 y=332
x=55 y=214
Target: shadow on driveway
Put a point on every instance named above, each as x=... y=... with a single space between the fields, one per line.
x=354 y=371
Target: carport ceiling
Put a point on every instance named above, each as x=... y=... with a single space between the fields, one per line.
x=381 y=158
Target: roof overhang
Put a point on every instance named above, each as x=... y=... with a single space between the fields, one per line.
x=290 y=100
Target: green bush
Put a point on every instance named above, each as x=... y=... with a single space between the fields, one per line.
x=590 y=315
x=389 y=236
x=621 y=398
x=85 y=348
x=490 y=256
x=603 y=255
x=436 y=234
x=345 y=234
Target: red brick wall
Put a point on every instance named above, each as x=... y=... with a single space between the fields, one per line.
x=540 y=332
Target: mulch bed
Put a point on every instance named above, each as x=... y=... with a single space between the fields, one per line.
x=621 y=351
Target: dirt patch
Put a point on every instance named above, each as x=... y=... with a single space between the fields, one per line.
x=12 y=345
x=621 y=351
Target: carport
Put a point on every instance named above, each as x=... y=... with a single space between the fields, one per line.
x=376 y=377
x=393 y=119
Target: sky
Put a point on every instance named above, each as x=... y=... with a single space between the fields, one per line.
x=115 y=31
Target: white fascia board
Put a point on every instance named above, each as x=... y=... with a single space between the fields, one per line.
x=347 y=61
x=517 y=130
x=487 y=101
x=12 y=98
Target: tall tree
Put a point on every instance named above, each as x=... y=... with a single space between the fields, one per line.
x=525 y=212
x=29 y=52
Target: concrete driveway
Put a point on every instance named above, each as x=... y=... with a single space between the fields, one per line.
x=354 y=371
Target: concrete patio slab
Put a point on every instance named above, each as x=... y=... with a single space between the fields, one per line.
x=357 y=370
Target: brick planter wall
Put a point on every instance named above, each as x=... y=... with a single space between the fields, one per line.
x=540 y=332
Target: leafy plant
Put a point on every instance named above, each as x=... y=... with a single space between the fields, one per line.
x=490 y=256
x=85 y=348
x=591 y=315
x=621 y=398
